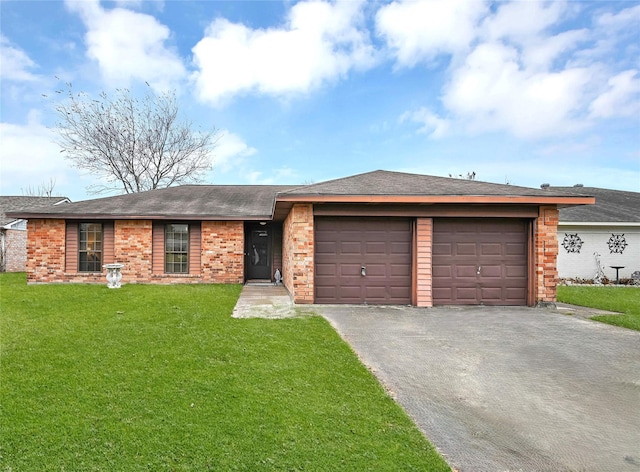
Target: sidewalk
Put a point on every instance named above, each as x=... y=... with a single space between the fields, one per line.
x=582 y=311
x=264 y=301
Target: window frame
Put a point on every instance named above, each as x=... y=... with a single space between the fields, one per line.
x=184 y=249
x=85 y=265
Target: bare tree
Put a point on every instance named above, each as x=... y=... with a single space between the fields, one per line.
x=45 y=189
x=133 y=144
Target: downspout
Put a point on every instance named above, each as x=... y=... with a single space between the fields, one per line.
x=3 y=251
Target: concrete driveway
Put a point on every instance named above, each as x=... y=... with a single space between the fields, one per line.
x=506 y=389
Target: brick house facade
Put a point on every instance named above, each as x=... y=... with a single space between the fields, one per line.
x=231 y=234
x=13 y=231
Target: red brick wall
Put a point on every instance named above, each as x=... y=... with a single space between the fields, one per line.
x=45 y=250
x=223 y=252
x=132 y=247
x=424 y=239
x=15 y=250
x=298 y=253
x=546 y=254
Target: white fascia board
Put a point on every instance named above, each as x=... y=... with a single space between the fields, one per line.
x=12 y=224
x=614 y=224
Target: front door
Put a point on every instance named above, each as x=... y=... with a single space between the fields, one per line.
x=258 y=252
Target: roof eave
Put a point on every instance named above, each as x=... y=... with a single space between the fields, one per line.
x=599 y=223
x=427 y=199
x=112 y=216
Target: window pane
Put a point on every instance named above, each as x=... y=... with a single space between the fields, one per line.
x=176 y=248
x=90 y=247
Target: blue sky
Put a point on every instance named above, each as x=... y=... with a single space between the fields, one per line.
x=519 y=92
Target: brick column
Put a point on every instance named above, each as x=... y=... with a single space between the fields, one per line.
x=424 y=239
x=133 y=248
x=45 y=251
x=298 y=253
x=546 y=254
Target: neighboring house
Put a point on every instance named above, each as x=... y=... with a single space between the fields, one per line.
x=13 y=231
x=376 y=238
x=608 y=230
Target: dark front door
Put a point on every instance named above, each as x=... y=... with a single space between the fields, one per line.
x=258 y=252
x=481 y=261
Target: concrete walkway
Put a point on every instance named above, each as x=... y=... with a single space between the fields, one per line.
x=264 y=301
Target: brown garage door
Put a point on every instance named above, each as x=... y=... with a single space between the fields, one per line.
x=344 y=246
x=480 y=261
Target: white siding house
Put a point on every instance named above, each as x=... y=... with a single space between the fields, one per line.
x=596 y=238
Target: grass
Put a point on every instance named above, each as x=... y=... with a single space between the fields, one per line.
x=161 y=378
x=620 y=299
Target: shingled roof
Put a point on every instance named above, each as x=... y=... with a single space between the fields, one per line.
x=258 y=202
x=612 y=206
x=387 y=183
x=25 y=204
x=187 y=202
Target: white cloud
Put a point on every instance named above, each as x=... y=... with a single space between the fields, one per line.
x=622 y=97
x=16 y=64
x=491 y=91
x=128 y=45
x=518 y=68
x=230 y=150
x=421 y=30
x=431 y=123
x=542 y=52
x=29 y=156
x=320 y=42
x=521 y=21
x=627 y=18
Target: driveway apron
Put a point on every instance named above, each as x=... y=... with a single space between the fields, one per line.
x=506 y=389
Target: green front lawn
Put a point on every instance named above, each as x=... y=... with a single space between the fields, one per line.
x=160 y=378
x=620 y=299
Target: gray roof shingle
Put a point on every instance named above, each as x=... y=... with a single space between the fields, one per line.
x=257 y=202
x=381 y=183
x=23 y=203
x=202 y=202
x=612 y=206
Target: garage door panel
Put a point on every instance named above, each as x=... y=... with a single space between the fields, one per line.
x=349 y=270
x=376 y=270
x=465 y=294
x=442 y=293
x=326 y=292
x=465 y=249
x=442 y=249
x=401 y=248
x=491 y=249
x=441 y=272
x=375 y=247
x=491 y=294
x=399 y=270
x=325 y=247
x=491 y=271
x=350 y=248
x=326 y=270
x=515 y=249
x=382 y=245
x=498 y=246
x=465 y=271
x=516 y=271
